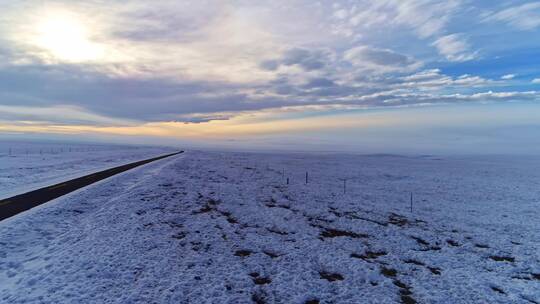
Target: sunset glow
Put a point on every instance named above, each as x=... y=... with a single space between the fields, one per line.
x=230 y=71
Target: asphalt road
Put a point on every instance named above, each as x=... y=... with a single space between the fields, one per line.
x=22 y=202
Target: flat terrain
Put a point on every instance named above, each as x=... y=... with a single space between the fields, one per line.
x=26 y=166
x=209 y=227
x=23 y=202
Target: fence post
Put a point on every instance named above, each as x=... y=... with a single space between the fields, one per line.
x=411 y=202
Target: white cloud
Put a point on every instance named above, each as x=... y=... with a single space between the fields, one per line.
x=426 y=99
x=523 y=17
x=472 y=81
x=454 y=47
x=536 y=80
x=425 y=18
x=425 y=75
x=433 y=79
x=505 y=95
x=340 y=14
x=508 y=76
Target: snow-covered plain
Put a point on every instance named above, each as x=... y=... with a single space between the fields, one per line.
x=26 y=166
x=211 y=227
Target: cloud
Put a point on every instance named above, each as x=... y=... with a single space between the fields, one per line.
x=341 y=14
x=58 y=115
x=133 y=98
x=210 y=60
x=308 y=60
x=523 y=17
x=270 y=65
x=320 y=83
x=383 y=60
x=201 y=118
x=166 y=39
x=433 y=79
x=425 y=18
x=424 y=76
x=536 y=80
x=409 y=99
x=454 y=47
x=376 y=56
x=508 y=76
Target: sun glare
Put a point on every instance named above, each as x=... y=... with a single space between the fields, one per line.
x=66 y=38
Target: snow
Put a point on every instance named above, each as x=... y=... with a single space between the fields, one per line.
x=26 y=166
x=212 y=227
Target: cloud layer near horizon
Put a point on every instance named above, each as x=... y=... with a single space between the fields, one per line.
x=138 y=62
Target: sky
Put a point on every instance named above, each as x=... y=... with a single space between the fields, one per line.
x=388 y=76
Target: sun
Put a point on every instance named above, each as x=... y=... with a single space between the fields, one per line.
x=66 y=38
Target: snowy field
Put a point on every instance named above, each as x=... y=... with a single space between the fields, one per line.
x=26 y=166
x=209 y=227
